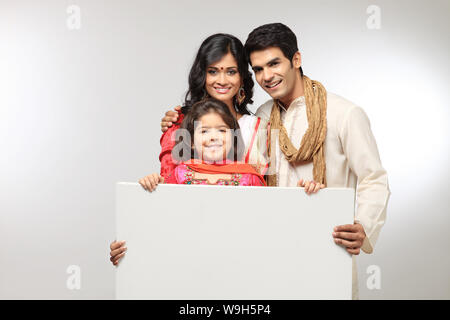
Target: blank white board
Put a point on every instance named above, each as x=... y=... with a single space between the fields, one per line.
x=227 y=242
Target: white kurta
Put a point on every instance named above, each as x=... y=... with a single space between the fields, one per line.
x=351 y=157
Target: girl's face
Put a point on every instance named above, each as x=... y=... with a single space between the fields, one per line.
x=222 y=79
x=212 y=138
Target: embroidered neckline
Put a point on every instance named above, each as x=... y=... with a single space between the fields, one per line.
x=189 y=179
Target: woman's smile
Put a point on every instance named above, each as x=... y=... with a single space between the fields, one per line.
x=222 y=90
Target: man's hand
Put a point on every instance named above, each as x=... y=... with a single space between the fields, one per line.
x=169 y=118
x=117 y=251
x=350 y=236
x=310 y=186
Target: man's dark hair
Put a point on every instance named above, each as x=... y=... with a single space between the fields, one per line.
x=272 y=35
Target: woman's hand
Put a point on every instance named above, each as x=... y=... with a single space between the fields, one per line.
x=117 y=251
x=151 y=181
x=310 y=186
x=169 y=118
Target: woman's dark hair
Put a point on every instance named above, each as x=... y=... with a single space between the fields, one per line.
x=272 y=35
x=212 y=50
x=198 y=110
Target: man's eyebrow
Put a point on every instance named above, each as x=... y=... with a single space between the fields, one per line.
x=277 y=59
x=274 y=60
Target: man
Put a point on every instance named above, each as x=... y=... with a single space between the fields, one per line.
x=328 y=127
x=322 y=137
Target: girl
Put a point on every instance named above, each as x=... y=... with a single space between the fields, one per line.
x=211 y=157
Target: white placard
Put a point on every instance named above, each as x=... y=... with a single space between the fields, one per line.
x=213 y=242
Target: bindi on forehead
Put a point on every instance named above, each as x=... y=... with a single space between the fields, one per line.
x=227 y=62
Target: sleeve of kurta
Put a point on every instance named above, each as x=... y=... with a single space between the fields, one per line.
x=372 y=191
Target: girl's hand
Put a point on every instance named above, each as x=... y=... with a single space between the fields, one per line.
x=310 y=186
x=151 y=181
x=117 y=251
x=169 y=118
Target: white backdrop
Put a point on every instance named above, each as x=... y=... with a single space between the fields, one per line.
x=83 y=85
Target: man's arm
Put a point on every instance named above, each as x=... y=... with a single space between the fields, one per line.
x=170 y=118
x=372 y=192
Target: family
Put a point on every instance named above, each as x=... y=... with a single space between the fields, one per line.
x=303 y=137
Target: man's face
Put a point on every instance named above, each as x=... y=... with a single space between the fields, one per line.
x=275 y=73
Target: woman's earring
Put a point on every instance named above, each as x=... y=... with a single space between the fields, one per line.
x=241 y=95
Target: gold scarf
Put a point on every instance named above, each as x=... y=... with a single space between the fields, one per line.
x=311 y=147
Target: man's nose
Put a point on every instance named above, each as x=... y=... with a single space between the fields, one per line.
x=267 y=75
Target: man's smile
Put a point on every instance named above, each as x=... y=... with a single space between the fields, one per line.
x=273 y=85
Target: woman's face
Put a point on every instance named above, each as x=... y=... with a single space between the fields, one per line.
x=223 y=79
x=212 y=138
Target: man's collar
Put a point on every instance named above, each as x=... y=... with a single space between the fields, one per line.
x=299 y=101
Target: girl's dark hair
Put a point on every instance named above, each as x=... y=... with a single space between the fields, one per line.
x=212 y=50
x=272 y=35
x=198 y=110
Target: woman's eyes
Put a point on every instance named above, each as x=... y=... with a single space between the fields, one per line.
x=229 y=72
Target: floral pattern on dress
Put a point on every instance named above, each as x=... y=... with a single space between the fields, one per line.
x=189 y=179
